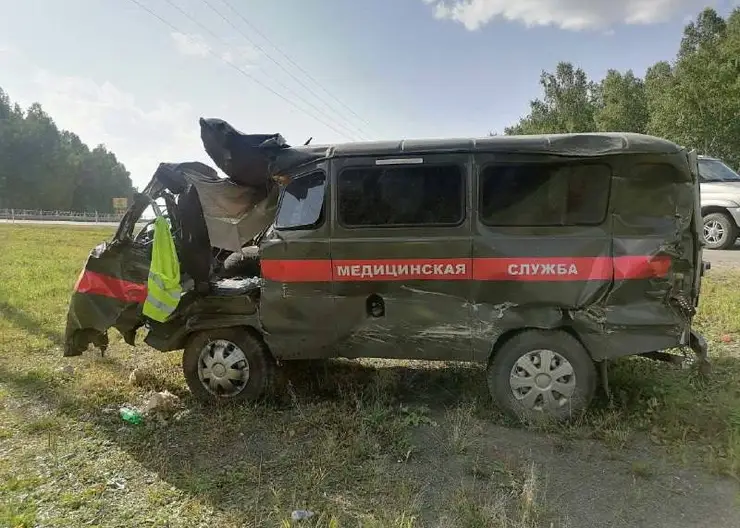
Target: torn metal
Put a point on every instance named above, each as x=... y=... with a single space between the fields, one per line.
x=626 y=284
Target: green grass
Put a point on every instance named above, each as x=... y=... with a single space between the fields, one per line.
x=370 y=443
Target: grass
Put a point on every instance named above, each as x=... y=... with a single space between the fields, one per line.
x=370 y=443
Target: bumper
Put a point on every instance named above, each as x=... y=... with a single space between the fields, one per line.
x=735 y=214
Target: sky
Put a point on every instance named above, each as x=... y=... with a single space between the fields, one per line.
x=136 y=75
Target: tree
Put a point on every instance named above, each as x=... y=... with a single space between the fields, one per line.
x=696 y=102
x=42 y=167
x=622 y=104
x=693 y=101
x=567 y=105
x=707 y=30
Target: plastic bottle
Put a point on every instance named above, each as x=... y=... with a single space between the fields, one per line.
x=131 y=416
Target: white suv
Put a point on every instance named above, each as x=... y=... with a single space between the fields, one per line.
x=720 y=203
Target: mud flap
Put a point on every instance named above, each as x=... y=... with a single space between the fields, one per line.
x=699 y=345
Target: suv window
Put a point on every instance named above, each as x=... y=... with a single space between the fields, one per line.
x=401 y=196
x=302 y=203
x=544 y=194
x=712 y=170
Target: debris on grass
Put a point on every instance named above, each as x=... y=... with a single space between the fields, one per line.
x=161 y=403
x=136 y=378
x=132 y=416
x=301 y=515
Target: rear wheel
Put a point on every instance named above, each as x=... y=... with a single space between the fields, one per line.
x=719 y=231
x=541 y=376
x=227 y=364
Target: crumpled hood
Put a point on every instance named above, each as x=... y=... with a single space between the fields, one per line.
x=247 y=200
x=113 y=285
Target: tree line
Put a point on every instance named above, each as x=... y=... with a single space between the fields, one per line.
x=43 y=167
x=693 y=100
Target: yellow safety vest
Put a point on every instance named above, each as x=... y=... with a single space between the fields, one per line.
x=163 y=285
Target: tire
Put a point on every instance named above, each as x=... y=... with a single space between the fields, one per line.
x=724 y=234
x=564 y=350
x=253 y=353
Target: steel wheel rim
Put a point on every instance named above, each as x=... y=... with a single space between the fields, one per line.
x=542 y=380
x=714 y=232
x=223 y=369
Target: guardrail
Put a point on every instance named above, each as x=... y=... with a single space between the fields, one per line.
x=57 y=216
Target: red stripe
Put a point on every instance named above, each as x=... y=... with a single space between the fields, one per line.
x=527 y=269
x=640 y=267
x=296 y=270
x=539 y=269
x=94 y=283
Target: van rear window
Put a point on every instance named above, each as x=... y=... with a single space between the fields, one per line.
x=401 y=196
x=544 y=194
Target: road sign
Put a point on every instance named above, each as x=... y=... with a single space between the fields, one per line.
x=120 y=204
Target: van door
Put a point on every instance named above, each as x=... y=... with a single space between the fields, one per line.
x=541 y=243
x=401 y=253
x=296 y=305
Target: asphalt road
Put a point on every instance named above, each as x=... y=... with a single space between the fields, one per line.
x=728 y=258
x=60 y=222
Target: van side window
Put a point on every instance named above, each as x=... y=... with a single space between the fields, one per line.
x=544 y=194
x=401 y=196
x=302 y=203
x=651 y=196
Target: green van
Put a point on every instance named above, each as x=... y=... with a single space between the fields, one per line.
x=542 y=257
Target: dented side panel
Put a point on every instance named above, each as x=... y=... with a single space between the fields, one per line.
x=534 y=276
x=109 y=292
x=652 y=209
x=296 y=310
x=620 y=284
x=632 y=270
x=403 y=292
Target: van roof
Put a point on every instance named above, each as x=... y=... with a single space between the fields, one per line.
x=584 y=144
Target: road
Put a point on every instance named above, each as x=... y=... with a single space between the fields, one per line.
x=60 y=222
x=729 y=258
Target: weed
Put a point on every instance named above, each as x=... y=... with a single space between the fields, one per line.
x=372 y=443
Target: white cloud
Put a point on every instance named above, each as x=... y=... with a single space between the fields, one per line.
x=140 y=135
x=6 y=50
x=197 y=46
x=193 y=45
x=243 y=56
x=566 y=14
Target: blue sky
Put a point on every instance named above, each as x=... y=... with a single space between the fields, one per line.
x=113 y=73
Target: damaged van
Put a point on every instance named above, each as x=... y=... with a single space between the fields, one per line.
x=542 y=257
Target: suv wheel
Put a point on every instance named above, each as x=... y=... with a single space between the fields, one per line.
x=541 y=376
x=227 y=364
x=719 y=231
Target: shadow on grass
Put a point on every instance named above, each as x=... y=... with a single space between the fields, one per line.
x=339 y=429
x=30 y=324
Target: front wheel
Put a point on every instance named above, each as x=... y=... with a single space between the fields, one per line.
x=227 y=364
x=719 y=231
x=541 y=376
